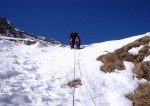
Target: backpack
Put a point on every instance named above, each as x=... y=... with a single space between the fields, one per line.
x=73 y=35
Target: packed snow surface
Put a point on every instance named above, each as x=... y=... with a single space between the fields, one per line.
x=37 y=75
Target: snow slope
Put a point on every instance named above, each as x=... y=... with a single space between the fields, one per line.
x=37 y=75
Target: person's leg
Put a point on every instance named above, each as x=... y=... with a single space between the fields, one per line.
x=72 y=42
x=78 y=45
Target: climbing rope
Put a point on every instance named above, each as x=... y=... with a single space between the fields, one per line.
x=74 y=78
x=85 y=86
x=81 y=77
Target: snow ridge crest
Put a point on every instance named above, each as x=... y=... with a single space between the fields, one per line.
x=7 y=29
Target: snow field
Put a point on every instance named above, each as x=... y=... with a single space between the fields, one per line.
x=37 y=75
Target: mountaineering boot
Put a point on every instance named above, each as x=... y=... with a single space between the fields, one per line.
x=78 y=48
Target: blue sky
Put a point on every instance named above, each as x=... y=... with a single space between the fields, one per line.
x=94 y=20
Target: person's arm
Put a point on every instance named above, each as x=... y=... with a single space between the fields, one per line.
x=77 y=38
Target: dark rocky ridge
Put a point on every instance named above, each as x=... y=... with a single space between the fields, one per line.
x=7 y=29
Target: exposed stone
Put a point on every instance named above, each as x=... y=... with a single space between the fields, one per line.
x=29 y=42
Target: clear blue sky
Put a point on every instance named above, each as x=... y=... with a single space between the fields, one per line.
x=94 y=20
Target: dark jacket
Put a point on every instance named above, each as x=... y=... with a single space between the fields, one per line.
x=75 y=37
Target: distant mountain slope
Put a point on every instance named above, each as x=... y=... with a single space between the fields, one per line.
x=7 y=29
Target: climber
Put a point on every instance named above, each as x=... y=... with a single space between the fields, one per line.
x=74 y=38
